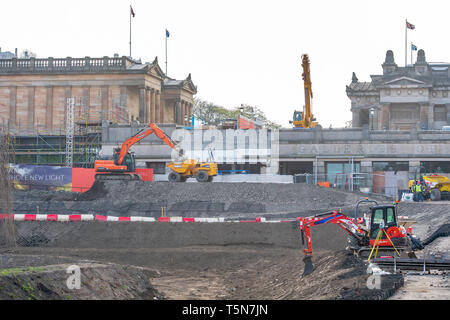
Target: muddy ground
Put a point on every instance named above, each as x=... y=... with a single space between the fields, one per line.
x=204 y=260
x=231 y=272
x=44 y=277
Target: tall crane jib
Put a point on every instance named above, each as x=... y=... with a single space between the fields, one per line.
x=305 y=118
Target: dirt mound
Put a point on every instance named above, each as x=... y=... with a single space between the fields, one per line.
x=47 y=281
x=120 y=198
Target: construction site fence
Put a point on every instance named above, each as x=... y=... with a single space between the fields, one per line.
x=370 y=183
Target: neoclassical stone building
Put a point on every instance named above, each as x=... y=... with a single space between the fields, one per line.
x=415 y=96
x=33 y=93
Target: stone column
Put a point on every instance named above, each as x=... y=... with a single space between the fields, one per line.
x=105 y=93
x=384 y=117
x=430 y=116
x=31 y=109
x=148 y=106
x=68 y=94
x=49 y=109
x=85 y=102
x=123 y=102
x=154 y=111
x=159 y=108
x=190 y=113
x=375 y=119
x=12 y=106
x=142 y=104
x=423 y=123
x=183 y=112
x=160 y=103
x=177 y=111
x=355 y=118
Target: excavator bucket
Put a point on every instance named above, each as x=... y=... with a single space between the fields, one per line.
x=309 y=268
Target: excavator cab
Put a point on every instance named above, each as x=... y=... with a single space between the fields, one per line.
x=382 y=217
x=385 y=217
x=298 y=116
x=129 y=161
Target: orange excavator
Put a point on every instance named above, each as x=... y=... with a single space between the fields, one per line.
x=123 y=165
x=124 y=162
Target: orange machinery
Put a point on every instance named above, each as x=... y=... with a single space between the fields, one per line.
x=123 y=165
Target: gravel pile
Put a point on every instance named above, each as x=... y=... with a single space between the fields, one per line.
x=189 y=199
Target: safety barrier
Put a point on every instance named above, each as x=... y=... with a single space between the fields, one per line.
x=90 y=217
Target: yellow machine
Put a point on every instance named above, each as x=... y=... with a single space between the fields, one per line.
x=305 y=119
x=439 y=185
x=202 y=171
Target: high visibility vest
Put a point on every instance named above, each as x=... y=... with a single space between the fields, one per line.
x=419 y=188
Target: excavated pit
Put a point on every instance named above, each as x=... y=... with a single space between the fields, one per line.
x=212 y=260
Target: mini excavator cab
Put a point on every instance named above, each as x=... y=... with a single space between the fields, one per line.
x=382 y=217
x=385 y=217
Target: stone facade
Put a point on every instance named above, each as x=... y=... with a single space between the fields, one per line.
x=33 y=93
x=415 y=96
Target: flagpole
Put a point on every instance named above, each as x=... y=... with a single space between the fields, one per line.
x=406 y=42
x=130 y=31
x=166 y=52
x=411 y=54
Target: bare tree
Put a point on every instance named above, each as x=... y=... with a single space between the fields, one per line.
x=8 y=234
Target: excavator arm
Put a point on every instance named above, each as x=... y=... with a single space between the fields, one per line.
x=307 y=115
x=153 y=128
x=335 y=217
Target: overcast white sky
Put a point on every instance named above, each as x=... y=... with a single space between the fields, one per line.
x=239 y=51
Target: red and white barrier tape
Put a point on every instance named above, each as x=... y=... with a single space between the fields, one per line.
x=91 y=217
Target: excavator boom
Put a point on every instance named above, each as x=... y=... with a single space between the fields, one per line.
x=124 y=163
x=127 y=144
x=305 y=119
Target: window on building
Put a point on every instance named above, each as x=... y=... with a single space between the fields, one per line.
x=390 y=166
x=435 y=167
x=339 y=172
x=296 y=167
x=440 y=113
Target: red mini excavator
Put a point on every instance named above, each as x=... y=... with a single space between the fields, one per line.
x=124 y=163
x=382 y=231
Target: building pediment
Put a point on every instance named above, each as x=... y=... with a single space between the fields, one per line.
x=189 y=85
x=405 y=81
x=155 y=70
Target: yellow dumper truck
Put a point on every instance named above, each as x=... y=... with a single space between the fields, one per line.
x=439 y=185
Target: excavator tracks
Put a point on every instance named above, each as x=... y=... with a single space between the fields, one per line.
x=413 y=264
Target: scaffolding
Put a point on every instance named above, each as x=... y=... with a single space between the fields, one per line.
x=75 y=141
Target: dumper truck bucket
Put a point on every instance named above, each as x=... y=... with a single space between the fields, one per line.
x=309 y=268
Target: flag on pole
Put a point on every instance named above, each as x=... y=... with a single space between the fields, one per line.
x=410 y=25
x=131 y=11
x=167 y=33
x=413 y=47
